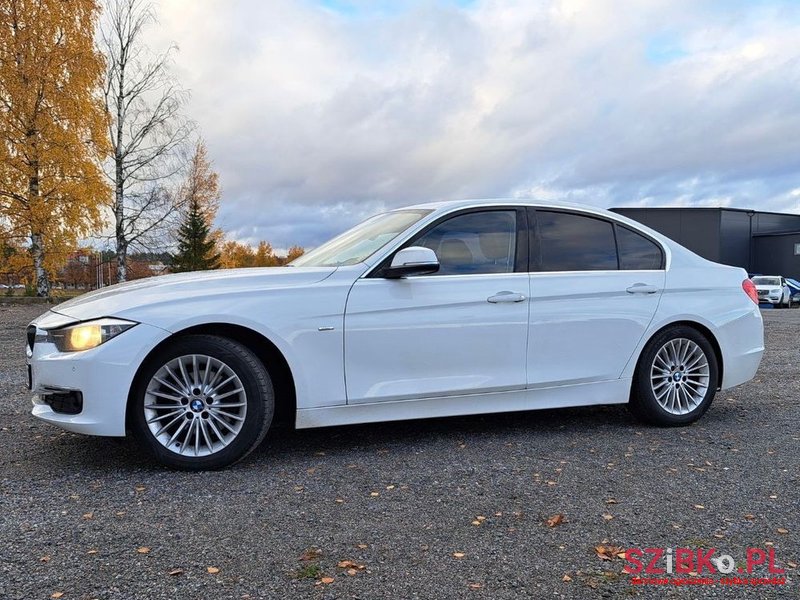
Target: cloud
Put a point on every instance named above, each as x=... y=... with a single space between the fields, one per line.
x=319 y=113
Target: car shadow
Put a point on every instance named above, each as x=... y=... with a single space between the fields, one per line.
x=285 y=445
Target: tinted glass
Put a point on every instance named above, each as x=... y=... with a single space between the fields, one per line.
x=480 y=242
x=570 y=242
x=636 y=251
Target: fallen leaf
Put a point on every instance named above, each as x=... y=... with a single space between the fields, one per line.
x=566 y=578
x=344 y=564
x=605 y=552
x=56 y=595
x=139 y=488
x=389 y=487
x=311 y=470
x=475 y=586
x=311 y=554
x=476 y=522
x=92 y=551
x=175 y=572
x=143 y=550
x=750 y=517
x=782 y=530
x=791 y=564
x=719 y=536
x=351 y=572
x=458 y=555
x=480 y=518
x=362 y=546
x=773 y=497
x=326 y=580
x=555 y=520
x=374 y=494
x=88 y=516
x=212 y=570
x=339 y=501
x=699 y=506
x=45 y=558
x=607 y=516
x=611 y=501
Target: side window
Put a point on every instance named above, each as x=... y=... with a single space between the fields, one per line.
x=474 y=243
x=570 y=242
x=637 y=252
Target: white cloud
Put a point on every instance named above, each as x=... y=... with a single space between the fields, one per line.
x=316 y=117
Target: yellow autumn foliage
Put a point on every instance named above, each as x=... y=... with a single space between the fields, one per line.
x=53 y=127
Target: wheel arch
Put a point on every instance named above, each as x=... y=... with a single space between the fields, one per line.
x=700 y=328
x=267 y=352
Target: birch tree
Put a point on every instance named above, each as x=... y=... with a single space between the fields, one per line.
x=52 y=127
x=146 y=128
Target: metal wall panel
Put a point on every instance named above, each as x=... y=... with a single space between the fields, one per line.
x=695 y=228
x=774 y=255
x=735 y=239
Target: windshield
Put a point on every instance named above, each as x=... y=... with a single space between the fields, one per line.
x=767 y=281
x=360 y=242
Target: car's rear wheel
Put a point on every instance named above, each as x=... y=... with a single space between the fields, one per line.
x=203 y=402
x=676 y=378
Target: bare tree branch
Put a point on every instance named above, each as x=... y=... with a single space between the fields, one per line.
x=147 y=129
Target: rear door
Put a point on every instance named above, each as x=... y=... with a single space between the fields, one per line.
x=595 y=287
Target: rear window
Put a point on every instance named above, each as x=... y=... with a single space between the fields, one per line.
x=636 y=252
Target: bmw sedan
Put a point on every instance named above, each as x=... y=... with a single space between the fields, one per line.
x=452 y=308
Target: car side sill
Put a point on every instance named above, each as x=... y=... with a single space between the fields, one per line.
x=615 y=391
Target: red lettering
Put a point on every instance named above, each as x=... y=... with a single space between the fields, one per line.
x=752 y=561
x=632 y=555
x=704 y=561
x=772 y=568
x=684 y=560
x=657 y=554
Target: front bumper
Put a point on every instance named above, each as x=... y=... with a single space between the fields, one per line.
x=102 y=375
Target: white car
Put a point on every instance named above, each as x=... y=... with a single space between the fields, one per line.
x=441 y=309
x=774 y=290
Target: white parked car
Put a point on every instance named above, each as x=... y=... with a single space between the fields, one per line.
x=451 y=308
x=773 y=289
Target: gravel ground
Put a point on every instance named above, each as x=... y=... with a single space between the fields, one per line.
x=445 y=508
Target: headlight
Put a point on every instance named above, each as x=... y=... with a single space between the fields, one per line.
x=88 y=335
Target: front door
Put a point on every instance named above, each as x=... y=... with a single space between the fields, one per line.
x=462 y=330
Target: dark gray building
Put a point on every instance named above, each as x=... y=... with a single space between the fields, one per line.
x=760 y=242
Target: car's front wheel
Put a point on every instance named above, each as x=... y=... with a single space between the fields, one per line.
x=676 y=378
x=202 y=402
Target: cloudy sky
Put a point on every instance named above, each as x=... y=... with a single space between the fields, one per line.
x=318 y=113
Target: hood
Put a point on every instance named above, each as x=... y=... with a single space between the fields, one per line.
x=124 y=297
x=769 y=288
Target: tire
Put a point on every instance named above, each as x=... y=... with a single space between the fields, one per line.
x=658 y=395
x=201 y=403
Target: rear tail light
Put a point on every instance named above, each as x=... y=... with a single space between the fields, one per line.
x=750 y=289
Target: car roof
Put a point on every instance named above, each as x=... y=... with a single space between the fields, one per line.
x=452 y=204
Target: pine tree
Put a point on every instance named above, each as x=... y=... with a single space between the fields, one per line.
x=196 y=248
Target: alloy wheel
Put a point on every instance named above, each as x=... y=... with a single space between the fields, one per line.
x=195 y=405
x=679 y=376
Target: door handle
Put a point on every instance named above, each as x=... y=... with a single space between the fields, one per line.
x=506 y=297
x=642 y=288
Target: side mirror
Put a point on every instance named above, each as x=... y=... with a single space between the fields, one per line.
x=414 y=260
